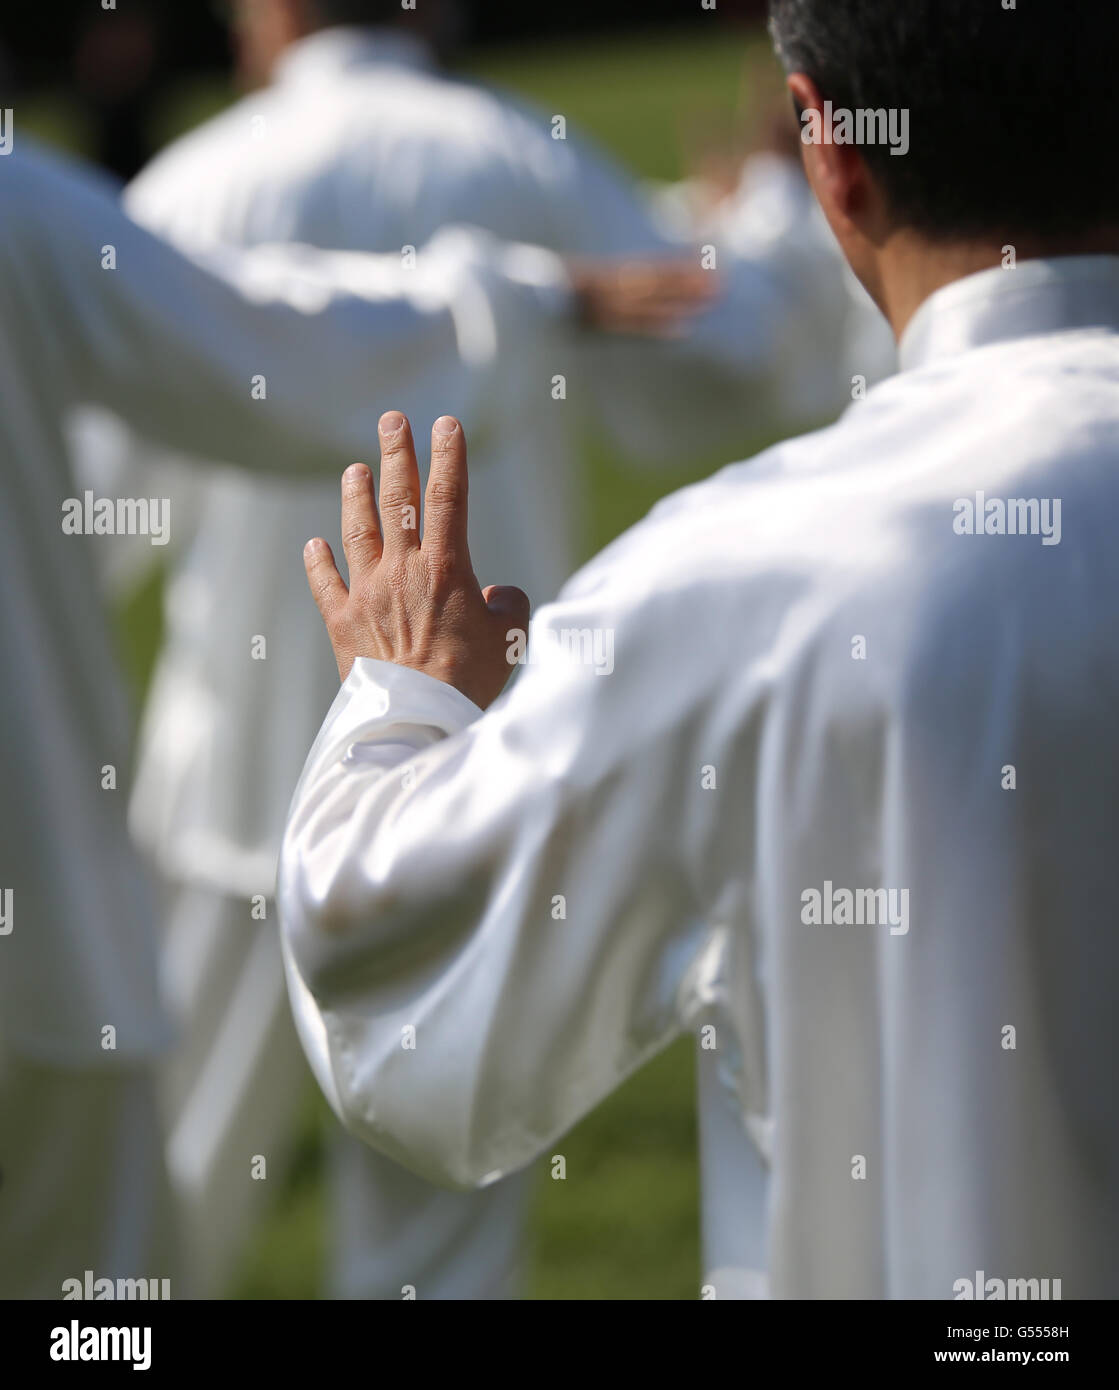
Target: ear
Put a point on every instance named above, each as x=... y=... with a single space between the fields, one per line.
x=838 y=174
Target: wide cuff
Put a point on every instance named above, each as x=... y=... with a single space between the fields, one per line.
x=397 y=695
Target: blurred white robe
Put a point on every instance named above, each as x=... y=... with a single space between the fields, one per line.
x=94 y=308
x=360 y=143
x=820 y=684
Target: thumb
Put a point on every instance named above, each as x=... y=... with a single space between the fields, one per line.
x=508 y=603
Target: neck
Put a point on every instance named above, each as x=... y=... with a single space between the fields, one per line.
x=911 y=268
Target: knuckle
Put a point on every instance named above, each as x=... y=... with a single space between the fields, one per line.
x=446 y=493
x=357 y=534
x=394 y=496
x=442 y=571
x=446 y=445
x=395 y=446
x=323 y=588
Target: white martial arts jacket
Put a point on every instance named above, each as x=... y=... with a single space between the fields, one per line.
x=92 y=308
x=805 y=755
x=361 y=144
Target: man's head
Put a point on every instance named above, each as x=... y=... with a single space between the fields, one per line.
x=264 y=28
x=1001 y=105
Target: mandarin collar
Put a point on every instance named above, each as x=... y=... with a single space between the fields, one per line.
x=1039 y=296
x=321 y=55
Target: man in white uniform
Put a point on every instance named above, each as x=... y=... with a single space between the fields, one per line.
x=93 y=308
x=360 y=142
x=851 y=784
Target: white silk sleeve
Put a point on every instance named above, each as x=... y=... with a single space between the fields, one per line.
x=279 y=359
x=487 y=925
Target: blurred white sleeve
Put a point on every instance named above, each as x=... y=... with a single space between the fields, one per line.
x=277 y=358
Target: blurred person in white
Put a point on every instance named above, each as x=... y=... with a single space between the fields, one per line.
x=360 y=141
x=744 y=173
x=850 y=792
x=94 y=308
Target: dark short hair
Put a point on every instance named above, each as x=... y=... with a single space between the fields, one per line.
x=1007 y=107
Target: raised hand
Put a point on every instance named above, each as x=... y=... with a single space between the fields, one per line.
x=411 y=601
x=641 y=297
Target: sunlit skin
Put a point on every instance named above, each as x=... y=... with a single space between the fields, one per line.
x=262 y=30
x=411 y=600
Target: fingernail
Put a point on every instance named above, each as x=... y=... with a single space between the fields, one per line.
x=391 y=421
x=313 y=545
x=354 y=472
x=446 y=424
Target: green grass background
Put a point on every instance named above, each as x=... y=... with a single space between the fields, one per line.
x=624 y=1222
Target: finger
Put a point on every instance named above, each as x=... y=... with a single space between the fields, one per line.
x=693 y=298
x=674 y=288
x=654 y=316
x=646 y=325
x=648 y=298
x=692 y=280
x=400 y=485
x=327 y=587
x=664 y=279
x=445 y=499
x=361 y=531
